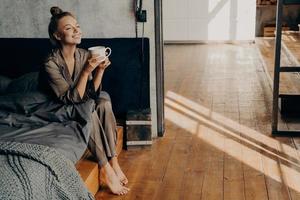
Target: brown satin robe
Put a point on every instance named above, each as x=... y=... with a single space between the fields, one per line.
x=55 y=78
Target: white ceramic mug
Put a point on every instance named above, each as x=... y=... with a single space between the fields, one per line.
x=100 y=51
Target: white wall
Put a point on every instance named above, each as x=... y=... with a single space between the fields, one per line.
x=98 y=19
x=205 y=20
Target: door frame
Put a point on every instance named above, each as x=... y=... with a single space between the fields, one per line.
x=159 y=59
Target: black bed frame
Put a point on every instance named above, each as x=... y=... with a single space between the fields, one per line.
x=126 y=80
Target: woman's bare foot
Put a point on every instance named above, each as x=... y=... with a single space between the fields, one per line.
x=113 y=182
x=115 y=165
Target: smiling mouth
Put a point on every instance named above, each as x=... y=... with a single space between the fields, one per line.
x=77 y=36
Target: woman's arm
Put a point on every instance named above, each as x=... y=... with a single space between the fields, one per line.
x=99 y=74
x=81 y=84
x=52 y=78
x=92 y=64
x=98 y=78
x=62 y=89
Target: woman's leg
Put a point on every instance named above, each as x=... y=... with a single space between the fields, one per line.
x=113 y=182
x=95 y=143
x=108 y=121
x=96 y=146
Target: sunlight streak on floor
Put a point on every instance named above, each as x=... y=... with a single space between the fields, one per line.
x=249 y=146
x=190 y=106
x=266 y=165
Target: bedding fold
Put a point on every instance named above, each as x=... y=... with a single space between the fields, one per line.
x=36 y=172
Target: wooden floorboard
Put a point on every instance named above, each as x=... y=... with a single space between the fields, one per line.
x=218 y=143
x=290 y=84
x=271 y=165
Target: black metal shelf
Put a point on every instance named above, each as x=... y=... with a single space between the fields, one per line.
x=291 y=2
x=278 y=69
x=289 y=95
x=290 y=69
x=283 y=133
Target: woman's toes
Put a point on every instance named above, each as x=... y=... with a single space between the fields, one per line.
x=125 y=190
x=124 y=181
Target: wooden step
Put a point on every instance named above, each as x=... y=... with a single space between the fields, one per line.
x=88 y=167
x=89 y=172
x=119 y=139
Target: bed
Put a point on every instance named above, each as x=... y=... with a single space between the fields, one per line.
x=35 y=131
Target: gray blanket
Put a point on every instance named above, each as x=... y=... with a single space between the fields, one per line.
x=34 y=118
x=36 y=172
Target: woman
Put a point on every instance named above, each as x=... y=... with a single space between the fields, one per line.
x=73 y=77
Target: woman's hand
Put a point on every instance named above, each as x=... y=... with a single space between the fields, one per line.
x=99 y=73
x=103 y=65
x=93 y=63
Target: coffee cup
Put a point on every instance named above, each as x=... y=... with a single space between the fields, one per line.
x=100 y=51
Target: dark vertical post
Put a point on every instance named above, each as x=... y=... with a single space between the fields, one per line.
x=277 y=66
x=159 y=67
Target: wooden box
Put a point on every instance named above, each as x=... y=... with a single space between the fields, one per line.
x=138 y=128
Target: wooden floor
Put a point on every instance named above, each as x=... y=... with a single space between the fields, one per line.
x=290 y=82
x=217 y=143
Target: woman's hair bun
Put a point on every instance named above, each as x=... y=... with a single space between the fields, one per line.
x=55 y=10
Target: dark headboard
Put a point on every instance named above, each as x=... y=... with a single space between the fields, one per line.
x=126 y=80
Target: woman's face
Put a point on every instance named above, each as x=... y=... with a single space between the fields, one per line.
x=68 y=31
